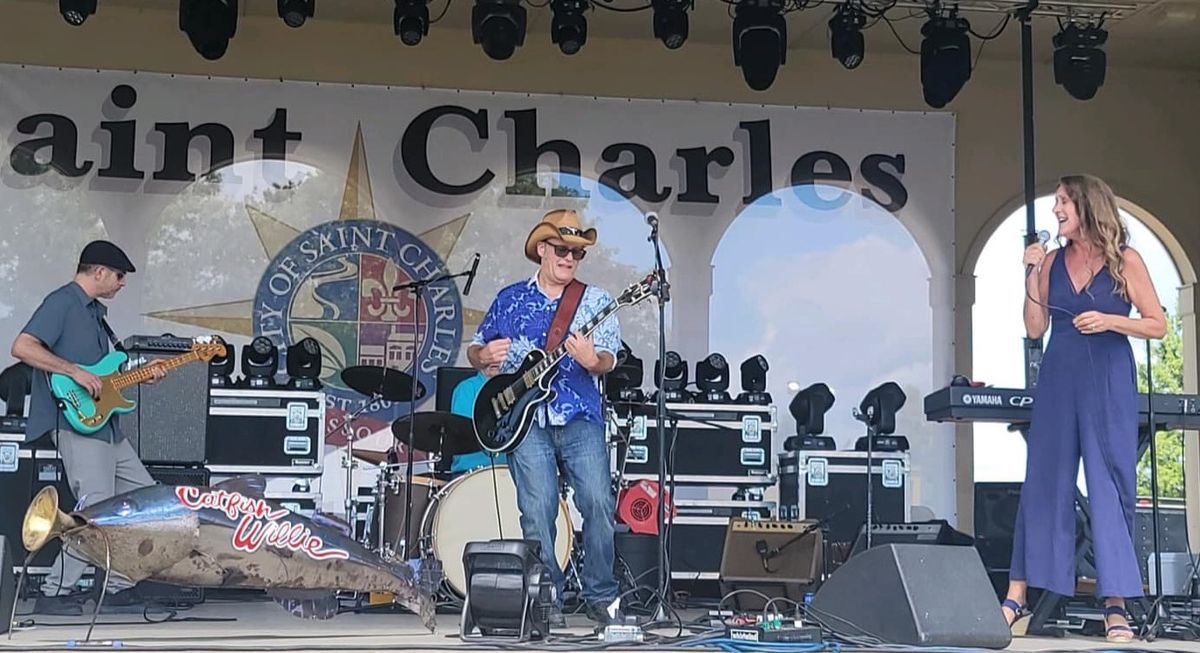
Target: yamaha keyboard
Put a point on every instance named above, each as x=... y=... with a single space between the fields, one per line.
x=1014 y=406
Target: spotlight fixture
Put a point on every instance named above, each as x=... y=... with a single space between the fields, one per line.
x=498 y=26
x=568 y=28
x=1079 y=59
x=846 y=40
x=808 y=408
x=878 y=411
x=624 y=383
x=295 y=12
x=411 y=20
x=754 y=382
x=509 y=591
x=945 y=58
x=673 y=379
x=304 y=365
x=220 y=368
x=76 y=11
x=209 y=24
x=260 y=361
x=671 y=21
x=712 y=378
x=759 y=41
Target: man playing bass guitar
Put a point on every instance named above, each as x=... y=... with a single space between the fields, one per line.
x=570 y=428
x=66 y=331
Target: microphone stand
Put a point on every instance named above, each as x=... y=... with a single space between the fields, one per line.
x=662 y=291
x=416 y=286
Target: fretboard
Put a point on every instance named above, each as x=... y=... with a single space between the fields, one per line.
x=143 y=373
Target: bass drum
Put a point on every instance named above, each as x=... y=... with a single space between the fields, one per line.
x=465 y=511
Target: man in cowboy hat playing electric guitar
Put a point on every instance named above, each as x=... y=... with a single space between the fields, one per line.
x=569 y=429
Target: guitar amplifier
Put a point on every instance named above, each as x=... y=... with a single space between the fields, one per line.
x=269 y=431
x=168 y=425
x=24 y=471
x=714 y=444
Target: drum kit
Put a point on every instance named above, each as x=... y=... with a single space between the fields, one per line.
x=434 y=515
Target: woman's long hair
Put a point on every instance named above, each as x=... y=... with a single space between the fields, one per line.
x=1100 y=223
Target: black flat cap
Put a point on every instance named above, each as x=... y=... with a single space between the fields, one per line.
x=102 y=252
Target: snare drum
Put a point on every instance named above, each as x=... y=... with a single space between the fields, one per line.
x=465 y=511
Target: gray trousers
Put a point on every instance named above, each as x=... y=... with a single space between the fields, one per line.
x=96 y=470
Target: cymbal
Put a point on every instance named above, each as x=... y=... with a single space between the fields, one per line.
x=438 y=432
x=392 y=385
x=373 y=457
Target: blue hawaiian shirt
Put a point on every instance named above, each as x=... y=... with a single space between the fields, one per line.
x=523 y=313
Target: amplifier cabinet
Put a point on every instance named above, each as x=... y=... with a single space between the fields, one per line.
x=714 y=444
x=300 y=494
x=168 y=425
x=24 y=471
x=832 y=485
x=265 y=431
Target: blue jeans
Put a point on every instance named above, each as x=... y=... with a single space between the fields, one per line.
x=534 y=466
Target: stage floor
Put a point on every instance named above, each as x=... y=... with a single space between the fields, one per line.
x=222 y=625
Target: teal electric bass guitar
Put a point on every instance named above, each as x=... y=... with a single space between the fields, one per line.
x=87 y=414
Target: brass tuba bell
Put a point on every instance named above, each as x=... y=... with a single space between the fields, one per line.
x=43 y=520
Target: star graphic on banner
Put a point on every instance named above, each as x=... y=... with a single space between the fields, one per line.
x=273 y=234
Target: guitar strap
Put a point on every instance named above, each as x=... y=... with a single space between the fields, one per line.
x=567 y=306
x=111 y=336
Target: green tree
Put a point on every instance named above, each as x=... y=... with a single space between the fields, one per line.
x=1168 y=378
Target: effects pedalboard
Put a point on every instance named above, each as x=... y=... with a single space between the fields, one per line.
x=771 y=628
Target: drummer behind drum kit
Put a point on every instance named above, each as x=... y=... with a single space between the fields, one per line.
x=447 y=514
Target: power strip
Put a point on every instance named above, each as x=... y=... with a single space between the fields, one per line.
x=622 y=633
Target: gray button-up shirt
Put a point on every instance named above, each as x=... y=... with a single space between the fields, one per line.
x=68 y=323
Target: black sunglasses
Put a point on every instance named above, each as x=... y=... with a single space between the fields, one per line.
x=576 y=253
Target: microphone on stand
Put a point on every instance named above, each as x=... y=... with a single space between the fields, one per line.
x=474 y=268
x=1043 y=238
x=652 y=220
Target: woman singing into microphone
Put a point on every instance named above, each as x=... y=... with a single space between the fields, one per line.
x=1085 y=403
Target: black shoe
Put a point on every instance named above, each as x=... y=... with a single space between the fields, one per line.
x=124 y=602
x=67 y=605
x=605 y=613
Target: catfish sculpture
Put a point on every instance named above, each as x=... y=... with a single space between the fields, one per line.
x=225 y=536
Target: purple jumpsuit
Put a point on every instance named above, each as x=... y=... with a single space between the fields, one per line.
x=1085 y=404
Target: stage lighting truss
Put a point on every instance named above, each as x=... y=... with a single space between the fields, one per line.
x=568 y=28
x=295 y=12
x=498 y=26
x=260 y=362
x=1079 y=58
x=209 y=24
x=671 y=21
x=759 y=41
x=846 y=42
x=304 y=365
x=712 y=378
x=75 y=12
x=410 y=19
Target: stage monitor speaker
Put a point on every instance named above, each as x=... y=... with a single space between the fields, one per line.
x=995 y=517
x=936 y=531
x=169 y=424
x=8 y=584
x=778 y=559
x=913 y=594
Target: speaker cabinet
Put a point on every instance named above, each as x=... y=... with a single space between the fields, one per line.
x=995 y=517
x=8 y=584
x=937 y=531
x=169 y=424
x=916 y=595
x=778 y=559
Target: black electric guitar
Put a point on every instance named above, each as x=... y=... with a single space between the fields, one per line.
x=504 y=408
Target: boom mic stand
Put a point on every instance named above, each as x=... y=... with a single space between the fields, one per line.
x=416 y=286
x=661 y=289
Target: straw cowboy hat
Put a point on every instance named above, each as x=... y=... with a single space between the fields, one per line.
x=562 y=224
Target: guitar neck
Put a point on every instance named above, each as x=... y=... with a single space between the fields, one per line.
x=134 y=377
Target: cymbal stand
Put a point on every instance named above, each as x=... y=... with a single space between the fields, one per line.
x=415 y=287
x=350 y=463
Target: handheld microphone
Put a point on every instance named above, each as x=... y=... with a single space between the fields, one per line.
x=471 y=275
x=1043 y=238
